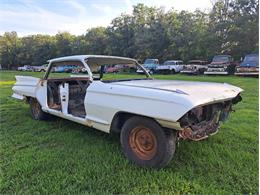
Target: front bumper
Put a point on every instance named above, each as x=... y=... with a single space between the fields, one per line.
x=216 y=73
x=247 y=73
x=203 y=121
x=140 y=71
x=189 y=72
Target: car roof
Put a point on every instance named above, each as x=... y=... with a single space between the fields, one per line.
x=95 y=58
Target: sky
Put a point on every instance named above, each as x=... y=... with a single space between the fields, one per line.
x=28 y=17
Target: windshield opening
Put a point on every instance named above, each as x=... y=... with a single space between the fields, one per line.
x=220 y=59
x=150 y=61
x=169 y=63
x=251 y=59
x=66 y=69
x=116 y=69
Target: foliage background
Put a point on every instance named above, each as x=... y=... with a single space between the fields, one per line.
x=231 y=27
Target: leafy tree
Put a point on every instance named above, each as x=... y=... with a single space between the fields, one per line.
x=230 y=27
x=63 y=43
x=9 y=48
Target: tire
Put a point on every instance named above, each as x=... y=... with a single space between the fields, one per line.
x=36 y=110
x=146 y=144
x=231 y=69
x=173 y=71
x=151 y=72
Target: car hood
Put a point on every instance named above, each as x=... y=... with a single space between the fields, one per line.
x=219 y=63
x=197 y=92
x=249 y=64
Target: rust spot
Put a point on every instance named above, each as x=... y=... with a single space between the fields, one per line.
x=143 y=143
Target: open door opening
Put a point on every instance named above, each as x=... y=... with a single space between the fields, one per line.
x=67 y=95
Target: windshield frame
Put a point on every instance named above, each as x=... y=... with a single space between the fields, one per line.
x=87 y=66
x=92 y=76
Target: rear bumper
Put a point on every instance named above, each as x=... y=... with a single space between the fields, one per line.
x=215 y=73
x=17 y=96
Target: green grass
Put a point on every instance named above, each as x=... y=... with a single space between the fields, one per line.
x=62 y=157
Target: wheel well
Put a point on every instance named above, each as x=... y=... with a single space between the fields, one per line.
x=27 y=99
x=119 y=120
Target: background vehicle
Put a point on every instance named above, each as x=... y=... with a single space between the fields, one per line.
x=25 y=68
x=66 y=68
x=195 y=67
x=170 y=67
x=112 y=69
x=150 y=65
x=41 y=68
x=150 y=115
x=221 y=65
x=249 y=66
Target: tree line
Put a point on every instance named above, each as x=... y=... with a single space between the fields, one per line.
x=230 y=27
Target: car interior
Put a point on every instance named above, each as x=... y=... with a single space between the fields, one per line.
x=66 y=92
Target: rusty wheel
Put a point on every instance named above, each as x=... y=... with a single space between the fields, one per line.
x=146 y=144
x=143 y=142
x=36 y=110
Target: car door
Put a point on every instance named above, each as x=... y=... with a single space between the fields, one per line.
x=177 y=67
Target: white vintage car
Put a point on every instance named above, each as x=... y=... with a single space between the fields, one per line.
x=151 y=115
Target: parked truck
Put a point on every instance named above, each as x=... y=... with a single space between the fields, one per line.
x=195 y=67
x=41 y=68
x=170 y=67
x=221 y=65
x=249 y=66
x=150 y=65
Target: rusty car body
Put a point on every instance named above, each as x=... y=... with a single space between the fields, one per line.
x=150 y=115
x=195 y=67
x=249 y=66
x=221 y=65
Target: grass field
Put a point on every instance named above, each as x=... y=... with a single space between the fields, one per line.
x=62 y=157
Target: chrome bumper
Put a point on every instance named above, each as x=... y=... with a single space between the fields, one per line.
x=188 y=72
x=247 y=73
x=216 y=73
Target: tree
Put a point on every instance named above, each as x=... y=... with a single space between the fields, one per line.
x=9 y=48
x=96 y=41
x=149 y=32
x=63 y=43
